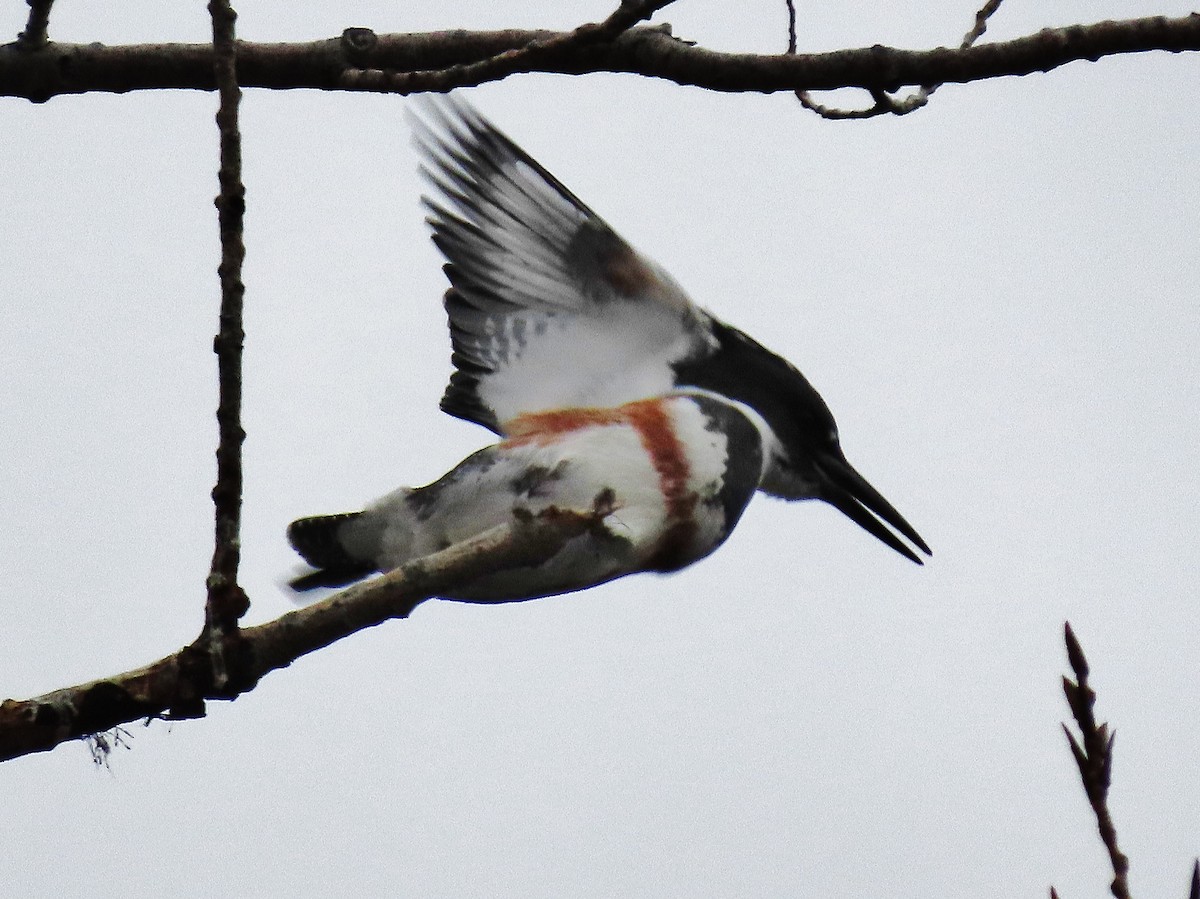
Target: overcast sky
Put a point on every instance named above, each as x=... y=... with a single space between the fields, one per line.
x=996 y=296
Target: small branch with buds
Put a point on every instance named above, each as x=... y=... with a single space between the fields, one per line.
x=1093 y=752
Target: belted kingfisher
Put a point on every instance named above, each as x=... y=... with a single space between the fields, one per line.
x=549 y=308
x=666 y=477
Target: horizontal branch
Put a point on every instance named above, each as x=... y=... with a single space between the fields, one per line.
x=361 y=60
x=226 y=665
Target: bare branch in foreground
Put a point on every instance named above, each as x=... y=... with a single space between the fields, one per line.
x=178 y=685
x=649 y=51
x=226 y=601
x=1094 y=758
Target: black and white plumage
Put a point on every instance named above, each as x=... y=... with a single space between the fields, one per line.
x=549 y=308
x=670 y=477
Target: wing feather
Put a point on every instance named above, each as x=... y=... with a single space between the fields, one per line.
x=548 y=306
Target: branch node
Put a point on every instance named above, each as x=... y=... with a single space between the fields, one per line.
x=357 y=41
x=36 y=34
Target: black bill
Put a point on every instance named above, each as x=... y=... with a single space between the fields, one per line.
x=848 y=492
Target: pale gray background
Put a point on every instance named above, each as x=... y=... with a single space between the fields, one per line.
x=997 y=296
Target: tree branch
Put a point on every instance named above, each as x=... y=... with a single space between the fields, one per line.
x=884 y=103
x=502 y=64
x=227 y=601
x=984 y=13
x=431 y=60
x=36 y=33
x=1093 y=756
x=177 y=686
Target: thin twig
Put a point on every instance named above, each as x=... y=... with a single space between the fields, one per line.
x=36 y=34
x=226 y=600
x=1093 y=755
x=981 y=19
x=504 y=63
x=885 y=103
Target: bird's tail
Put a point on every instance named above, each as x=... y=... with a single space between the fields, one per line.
x=318 y=540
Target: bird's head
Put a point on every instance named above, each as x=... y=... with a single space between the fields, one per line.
x=804 y=455
x=816 y=468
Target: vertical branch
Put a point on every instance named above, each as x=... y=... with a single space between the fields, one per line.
x=226 y=601
x=1093 y=756
x=36 y=33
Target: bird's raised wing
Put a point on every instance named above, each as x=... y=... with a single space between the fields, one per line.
x=548 y=306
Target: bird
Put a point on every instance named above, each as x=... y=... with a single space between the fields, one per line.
x=549 y=308
x=666 y=479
